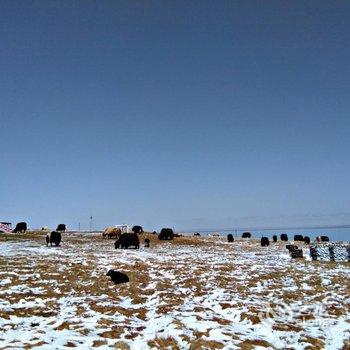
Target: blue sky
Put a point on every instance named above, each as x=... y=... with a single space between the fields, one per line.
x=190 y=114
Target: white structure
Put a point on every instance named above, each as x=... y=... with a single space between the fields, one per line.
x=124 y=228
x=214 y=234
x=5 y=227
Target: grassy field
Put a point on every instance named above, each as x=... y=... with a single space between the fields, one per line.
x=190 y=293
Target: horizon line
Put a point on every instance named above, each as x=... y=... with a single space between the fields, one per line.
x=272 y=228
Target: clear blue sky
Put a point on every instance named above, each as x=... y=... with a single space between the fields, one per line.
x=178 y=113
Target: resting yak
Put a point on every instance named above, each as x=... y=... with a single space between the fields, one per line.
x=230 y=238
x=246 y=235
x=274 y=238
x=111 y=232
x=137 y=229
x=298 y=238
x=166 y=234
x=53 y=237
x=127 y=240
x=117 y=277
x=21 y=227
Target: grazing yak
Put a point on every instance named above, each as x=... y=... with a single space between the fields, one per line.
x=296 y=253
x=274 y=238
x=147 y=242
x=298 y=238
x=307 y=240
x=21 y=227
x=111 y=232
x=61 y=228
x=246 y=235
x=53 y=237
x=117 y=277
x=137 y=229
x=284 y=237
x=230 y=238
x=166 y=234
x=265 y=242
x=127 y=240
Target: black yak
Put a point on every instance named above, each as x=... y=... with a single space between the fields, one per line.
x=246 y=235
x=53 y=237
x=117 y=277
x=307 y=240
x=265 y=242
x=296 y=253
x=230 y=237
x=127 y=240
x=196 y=234
x=284 y=237
x=166 y=234
x=291 y=247
x=21 y=227
x=137 y=229
x=274 y=238
x=61 y=227
x=298 y=238
x=147 y=242
x=324 y=239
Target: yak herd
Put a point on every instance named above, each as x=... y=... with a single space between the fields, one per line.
x=53 y=237
x=131 y=239
x=127 y=240
x=265 y=241
x=21 y=227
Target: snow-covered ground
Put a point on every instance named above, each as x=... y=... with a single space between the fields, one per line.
x=193 y=293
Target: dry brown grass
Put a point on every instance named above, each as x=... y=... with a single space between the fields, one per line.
x=251 y=344
x=79 y=274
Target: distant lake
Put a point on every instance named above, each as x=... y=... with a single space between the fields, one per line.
x=334 y=234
